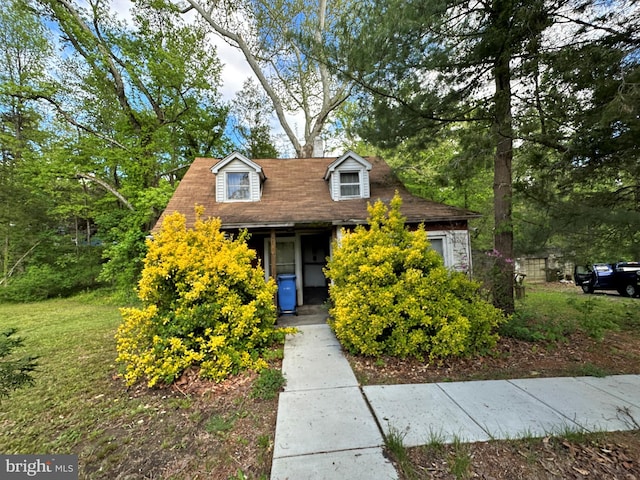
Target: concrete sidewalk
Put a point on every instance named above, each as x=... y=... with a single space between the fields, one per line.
x=324 y=428
x=330 y=428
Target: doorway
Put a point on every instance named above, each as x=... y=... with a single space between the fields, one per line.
x=315 y=251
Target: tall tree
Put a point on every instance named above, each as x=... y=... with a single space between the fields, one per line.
x=148 y=91
x=273 y=38
x=25 y=52
x=425 y=65
x=132 y=104
x=590 y=188
x=251 y=116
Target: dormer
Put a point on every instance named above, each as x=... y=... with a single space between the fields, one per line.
x=238 y=179
x=348 y=177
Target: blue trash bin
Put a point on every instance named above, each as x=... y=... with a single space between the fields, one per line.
x=287 y=293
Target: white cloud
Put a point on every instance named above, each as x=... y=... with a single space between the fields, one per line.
x=122 y=8
x=235 y=69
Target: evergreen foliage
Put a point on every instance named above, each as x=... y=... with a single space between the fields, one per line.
x=392 y=295
x=205 y=304
x=14 y=372
x=550 y=87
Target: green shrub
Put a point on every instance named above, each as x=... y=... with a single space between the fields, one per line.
x=392 y=295
x=531 y=327
x=268 y=384
x=69 y=273
x=204 y=305
x=15 y=372
x=124 y=234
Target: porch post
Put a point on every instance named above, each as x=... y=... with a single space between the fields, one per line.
x=272 y=254
x=272 y=262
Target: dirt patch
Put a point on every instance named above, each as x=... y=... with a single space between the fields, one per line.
x=194 y=430
x=599 y=456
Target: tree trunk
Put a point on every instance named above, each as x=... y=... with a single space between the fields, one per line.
x=502 y=286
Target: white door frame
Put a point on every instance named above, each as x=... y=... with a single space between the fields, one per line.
x=297 y=259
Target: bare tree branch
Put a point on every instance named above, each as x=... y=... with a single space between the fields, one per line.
x=15 y=265
x=107 y=187
x=255 y=67
x=313 y=95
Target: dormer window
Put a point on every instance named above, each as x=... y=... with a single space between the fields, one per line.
x=238 y=179
x=350 y=184
x=348 y=177
x=238 y=186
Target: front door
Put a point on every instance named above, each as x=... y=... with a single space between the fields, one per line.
x=304 y=255
x=285 y=255
x=315 y=251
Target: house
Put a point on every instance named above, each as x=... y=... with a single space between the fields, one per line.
x=294 y=208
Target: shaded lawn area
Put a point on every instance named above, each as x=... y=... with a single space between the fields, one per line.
x=78 y=404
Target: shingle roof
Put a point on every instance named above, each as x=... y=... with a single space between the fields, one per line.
x=295 y=193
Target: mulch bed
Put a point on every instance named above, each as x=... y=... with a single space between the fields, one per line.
x=616 y=353
x=612 y=455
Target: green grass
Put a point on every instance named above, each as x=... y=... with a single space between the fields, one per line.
x=551 y=315
x=460 y=459
x=268 y=385
x=590 y=370
x=396 y=449
x=219 y=424
x=78 y=405
x=74 y=340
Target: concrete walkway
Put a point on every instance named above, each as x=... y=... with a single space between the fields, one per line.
x=324 y=428
x=328 y=427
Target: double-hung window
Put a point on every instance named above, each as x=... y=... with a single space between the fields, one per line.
x=349 y=184
x=437 y=244
x=238 y=186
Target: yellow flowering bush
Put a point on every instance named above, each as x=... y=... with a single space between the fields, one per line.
x=392 y=295
x=204 y=304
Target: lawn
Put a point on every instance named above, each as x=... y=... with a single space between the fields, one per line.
x=78 y=405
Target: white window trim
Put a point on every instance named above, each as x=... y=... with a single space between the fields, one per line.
x=457 y=255
x=226 y=187
x=359 y=183
x=445 y=245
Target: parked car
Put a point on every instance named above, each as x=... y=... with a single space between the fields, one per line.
x=623 y=277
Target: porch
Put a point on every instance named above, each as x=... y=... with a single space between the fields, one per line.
x=301 y=252
x=307 y=315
